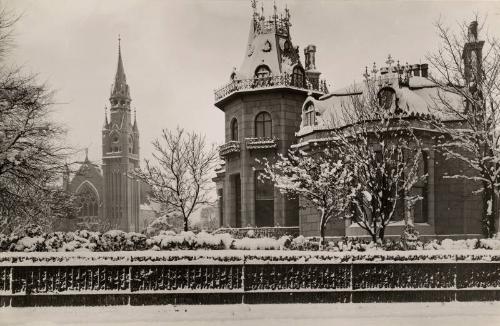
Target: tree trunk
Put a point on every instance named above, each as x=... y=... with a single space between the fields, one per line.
x=186 y=228
x=381 y=233
x=489 y=212
x=322 y=228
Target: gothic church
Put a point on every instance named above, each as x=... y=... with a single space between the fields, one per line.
x=111 y=195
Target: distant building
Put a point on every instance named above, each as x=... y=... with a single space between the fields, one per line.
x=209 y=218
x=111 y=195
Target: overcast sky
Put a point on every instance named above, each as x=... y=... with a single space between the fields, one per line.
x=176 y=53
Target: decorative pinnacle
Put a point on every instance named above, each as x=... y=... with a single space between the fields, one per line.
x=366 y=74
x=389 y=60
x=374 y=69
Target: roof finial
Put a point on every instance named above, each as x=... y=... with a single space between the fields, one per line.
x=366 y=74
x=390 y=60
x=119 y=44
x=86 y=154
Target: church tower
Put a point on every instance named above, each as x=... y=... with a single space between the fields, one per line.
x=120 y=155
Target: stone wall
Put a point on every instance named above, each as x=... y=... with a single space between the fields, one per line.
x=284 y=106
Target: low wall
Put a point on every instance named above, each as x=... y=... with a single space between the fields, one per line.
x=218 y=277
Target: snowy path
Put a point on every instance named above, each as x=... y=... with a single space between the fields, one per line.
x=408 y=314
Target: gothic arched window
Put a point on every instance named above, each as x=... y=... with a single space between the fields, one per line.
x=130 y=144
x=298 y=77
x=309 y=115
x=263 y=125
x=88 y=200
x=234 y=129
x=262 y=71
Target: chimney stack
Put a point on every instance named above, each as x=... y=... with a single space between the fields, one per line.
x=416 y=70
x=424 y=69
x=312 y=74
x=310 y=57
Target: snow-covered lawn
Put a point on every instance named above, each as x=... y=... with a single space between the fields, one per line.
x=408 y=314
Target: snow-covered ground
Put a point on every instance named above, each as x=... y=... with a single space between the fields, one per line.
x=408 y=314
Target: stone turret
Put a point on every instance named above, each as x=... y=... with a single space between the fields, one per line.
x=312 y=74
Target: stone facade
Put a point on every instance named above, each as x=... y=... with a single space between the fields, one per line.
x=262 y=106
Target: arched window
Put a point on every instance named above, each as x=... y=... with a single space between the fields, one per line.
x=262 y=71
x=263 y=125
x=309 y=115
x=298 y=77
x=88 y=200
x=234 y=129
x=387 y=98
x=130 y=144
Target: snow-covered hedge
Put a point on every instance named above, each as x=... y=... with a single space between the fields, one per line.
x=168 y=240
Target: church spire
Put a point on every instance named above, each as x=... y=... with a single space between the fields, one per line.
x=120 y=89
x=120 y=77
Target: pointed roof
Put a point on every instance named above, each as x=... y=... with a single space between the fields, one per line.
x=135 y=128
x=120 y=87
x=269 y=44
x=120 y=72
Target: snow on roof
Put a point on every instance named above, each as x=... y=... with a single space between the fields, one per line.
x=420 y=96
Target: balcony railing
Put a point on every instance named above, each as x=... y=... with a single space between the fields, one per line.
x=283 y=80
x=230 y=147
x=261 y=143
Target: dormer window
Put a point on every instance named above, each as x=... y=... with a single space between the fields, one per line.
x=387 y=98
x=298 y=77
x=262 y=71
x=310 y=115
x=234 y=129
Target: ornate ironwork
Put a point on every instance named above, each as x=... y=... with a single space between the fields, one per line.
x=230 y=147
x=282 y=80
x=261 y=143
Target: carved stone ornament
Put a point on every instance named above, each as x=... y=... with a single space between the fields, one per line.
x=267 y=46
x=251 y=48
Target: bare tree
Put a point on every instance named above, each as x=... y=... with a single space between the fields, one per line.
x=320 y=178
x=383 y=155
x=31 y=150
x=469 y=70
x=180 y=177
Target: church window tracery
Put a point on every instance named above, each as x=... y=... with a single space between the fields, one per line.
x=89 y=201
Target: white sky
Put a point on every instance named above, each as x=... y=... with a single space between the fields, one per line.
x=176 y=53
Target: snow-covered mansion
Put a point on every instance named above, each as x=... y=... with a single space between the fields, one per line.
x=274 y=101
